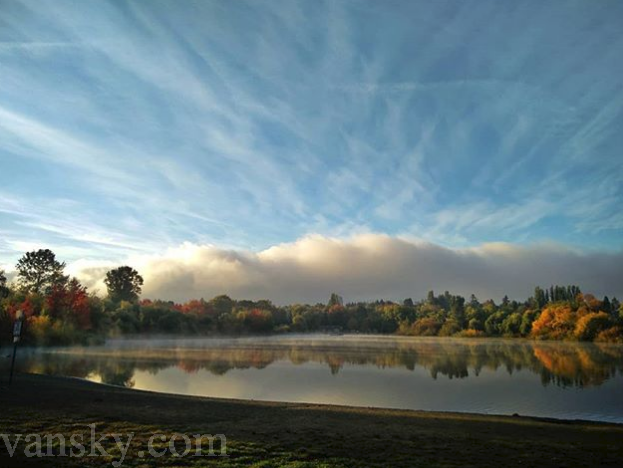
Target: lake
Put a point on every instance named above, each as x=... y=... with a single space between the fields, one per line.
x=491 y=376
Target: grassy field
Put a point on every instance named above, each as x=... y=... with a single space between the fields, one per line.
x=293 y=435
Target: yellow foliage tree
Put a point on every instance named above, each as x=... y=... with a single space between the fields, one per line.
x=590 y=325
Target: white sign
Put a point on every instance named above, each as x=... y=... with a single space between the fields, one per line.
x=17 y=330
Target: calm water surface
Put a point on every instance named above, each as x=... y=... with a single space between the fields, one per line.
x=562 y=380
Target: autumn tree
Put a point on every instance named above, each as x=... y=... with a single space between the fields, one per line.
x=38 y=271
x=196 y=307
x=124 y=284
x=69 y=302
x=256 y=320
x=428 y=326
x=556 y=322
x=590 y=325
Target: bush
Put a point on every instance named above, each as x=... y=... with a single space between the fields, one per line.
x=610 y=335
x=426 y=327
x=451 y=327
x=42 y=331
x=471 y=334
x=39 y=329
x=590 y=325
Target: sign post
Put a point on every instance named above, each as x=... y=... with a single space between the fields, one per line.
x=17 y=333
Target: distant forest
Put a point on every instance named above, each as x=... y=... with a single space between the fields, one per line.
x=58 y=310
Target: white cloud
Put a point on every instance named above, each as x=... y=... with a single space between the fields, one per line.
x=365 y=267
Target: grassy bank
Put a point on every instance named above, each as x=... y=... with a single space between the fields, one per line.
x=295 y=435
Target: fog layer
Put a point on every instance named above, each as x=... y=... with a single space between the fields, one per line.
x=365 y=267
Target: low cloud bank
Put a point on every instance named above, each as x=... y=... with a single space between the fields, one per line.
x=365 y=267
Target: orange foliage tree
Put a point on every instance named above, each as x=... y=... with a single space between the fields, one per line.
x=557 y=321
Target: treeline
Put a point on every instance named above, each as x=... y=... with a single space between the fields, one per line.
x=59 y=310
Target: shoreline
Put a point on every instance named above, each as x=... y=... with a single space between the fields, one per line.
x=346 y=408
x=331 y=406
x=281 y=434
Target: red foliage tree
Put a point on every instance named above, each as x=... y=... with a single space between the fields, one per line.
x=25 y=306
x=70 y=301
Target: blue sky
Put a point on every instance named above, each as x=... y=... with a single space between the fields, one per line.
x=130 y=127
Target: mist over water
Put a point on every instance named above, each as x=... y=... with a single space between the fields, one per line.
x=495 y=376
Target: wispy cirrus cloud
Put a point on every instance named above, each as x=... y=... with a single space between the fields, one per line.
x=34 y=46
x=248 y=124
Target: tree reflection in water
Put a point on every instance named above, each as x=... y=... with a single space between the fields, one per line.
x=562 y=364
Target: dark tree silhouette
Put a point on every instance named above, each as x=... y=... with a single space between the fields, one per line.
x=39 y=271
x=335 y=299
x=124 y=284
x=4 y=291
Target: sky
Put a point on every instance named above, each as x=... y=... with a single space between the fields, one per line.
x=285 y=149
